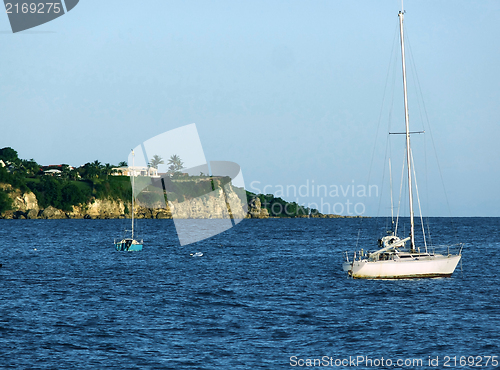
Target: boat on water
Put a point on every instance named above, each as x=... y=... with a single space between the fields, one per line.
x=398 y=257
x=129 y=244
x=197 y=254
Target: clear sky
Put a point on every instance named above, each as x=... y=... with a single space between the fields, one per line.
x=290 y=90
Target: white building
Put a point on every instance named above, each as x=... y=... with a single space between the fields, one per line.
x=52 y=172
x=136 y=171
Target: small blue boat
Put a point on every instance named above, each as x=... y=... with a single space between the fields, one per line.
x=130 y=244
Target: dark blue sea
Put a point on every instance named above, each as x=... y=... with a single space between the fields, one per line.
x=267 y=294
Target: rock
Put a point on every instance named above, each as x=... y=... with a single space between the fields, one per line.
x=103 y=208
x=143 y=212
x=19 y=215
x=8 y=215
x=52 y=213
x=32 y=214
x=163 y=214
x=211 y=205
x=264 y=213
x=76 y=212
x=26 y=202
x=20 y=202
x=255 y=209
x=216 y=204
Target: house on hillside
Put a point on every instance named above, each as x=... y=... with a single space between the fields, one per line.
x=136 y=171
x=53 y=172
x=57 y=169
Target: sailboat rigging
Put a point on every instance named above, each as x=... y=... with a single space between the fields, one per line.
x=130 y=244
x=395 y=259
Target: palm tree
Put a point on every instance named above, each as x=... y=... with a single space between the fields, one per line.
x=73 y=174
x=156 y=161
x=175 y=164
x=97 y=168
x=108 y=170
x=91 y=170
x=65 y=171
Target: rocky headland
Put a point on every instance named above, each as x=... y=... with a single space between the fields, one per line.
x=25 y=206
x=216 y=205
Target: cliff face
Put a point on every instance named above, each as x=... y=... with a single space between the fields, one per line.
x=23 y=205
x=255 y=209
x=217 y=204
x=99 y=208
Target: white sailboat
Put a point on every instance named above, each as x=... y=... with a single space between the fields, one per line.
x=130 y=244
x=400 y=258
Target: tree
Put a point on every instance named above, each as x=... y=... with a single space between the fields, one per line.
x=175 y=164
x=156 y=161
x=123 y=164
x=92 y=170
x=73 y=174
x=65 y=170
x=9 y=154
x=17 y=168
x=97 y=168
x=71 y=196
x=108 y=170
x=31 y=167
x=5 y=202
x=51 y=189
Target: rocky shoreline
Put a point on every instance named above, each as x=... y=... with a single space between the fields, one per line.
x=25 y=206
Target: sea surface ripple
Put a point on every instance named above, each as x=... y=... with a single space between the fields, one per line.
x=263 y=292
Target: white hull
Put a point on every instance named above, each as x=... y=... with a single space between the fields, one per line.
x=431 y=266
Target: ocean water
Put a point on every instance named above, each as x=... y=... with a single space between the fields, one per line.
x=267 y=294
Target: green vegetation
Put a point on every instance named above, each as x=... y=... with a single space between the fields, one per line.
x=180 y=188
x=59 y=193
x=5 y=202
x=71 y=187
x=277 y=207
x=17 y=176
x=116 y=187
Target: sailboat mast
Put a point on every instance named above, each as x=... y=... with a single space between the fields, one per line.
x=133 y=182
x=408 y=155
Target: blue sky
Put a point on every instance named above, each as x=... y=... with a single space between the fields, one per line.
x=290 y=90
